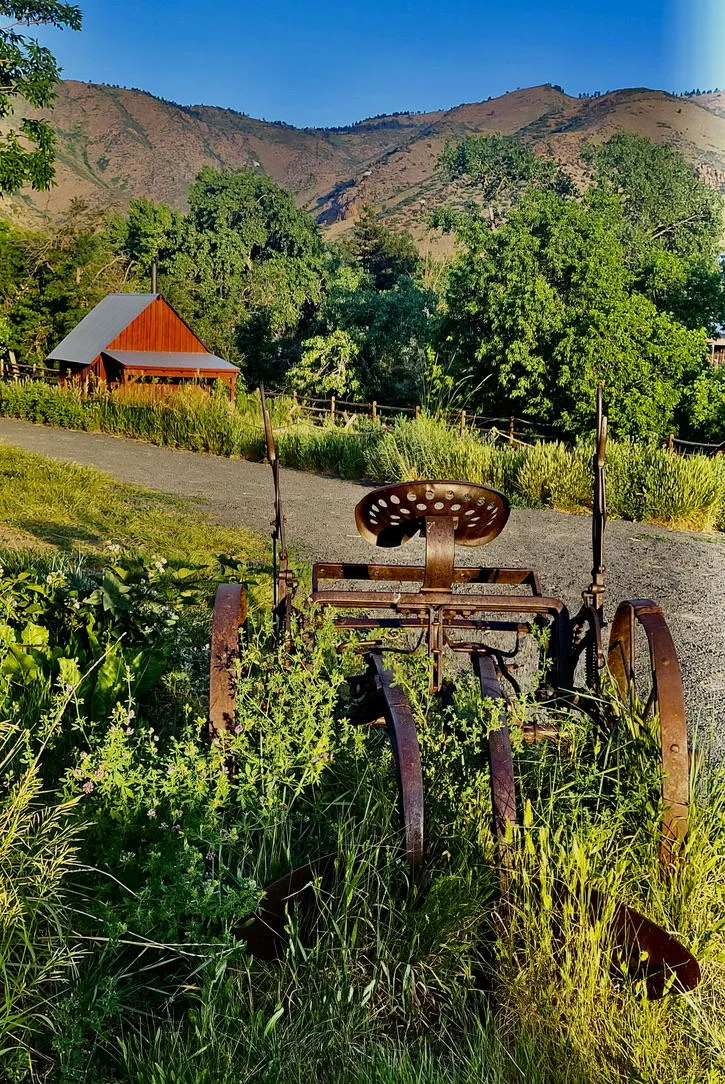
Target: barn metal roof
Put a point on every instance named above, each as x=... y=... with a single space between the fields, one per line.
x=159 y=359
x=100 y=327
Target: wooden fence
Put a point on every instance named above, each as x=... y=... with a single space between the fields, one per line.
x=342 y=412
x=10 y=369
x=512 y=430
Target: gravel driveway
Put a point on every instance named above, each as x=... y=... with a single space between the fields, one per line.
x=684 y=572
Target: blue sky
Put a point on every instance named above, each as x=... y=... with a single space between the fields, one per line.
x=332 y=63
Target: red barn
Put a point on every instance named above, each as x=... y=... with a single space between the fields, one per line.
x=131 y=337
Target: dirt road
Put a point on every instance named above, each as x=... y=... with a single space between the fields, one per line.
x=684 y=572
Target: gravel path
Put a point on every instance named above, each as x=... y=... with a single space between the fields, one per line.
x=684 y=572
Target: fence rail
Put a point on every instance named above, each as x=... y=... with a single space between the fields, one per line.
x=341 y=412
x=19 y=370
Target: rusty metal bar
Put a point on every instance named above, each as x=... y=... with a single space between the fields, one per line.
x=406 y=752
x=503 y=782
x=230 y=615
x=440 y=549
x=670 y=703
x=325 y=570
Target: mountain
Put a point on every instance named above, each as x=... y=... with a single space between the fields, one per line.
x=116 y=144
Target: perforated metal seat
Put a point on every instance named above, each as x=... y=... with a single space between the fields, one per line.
x=394 y=514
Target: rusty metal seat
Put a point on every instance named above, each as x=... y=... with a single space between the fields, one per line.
x=394 y=514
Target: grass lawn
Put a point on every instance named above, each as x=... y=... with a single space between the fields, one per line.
x=71 y=508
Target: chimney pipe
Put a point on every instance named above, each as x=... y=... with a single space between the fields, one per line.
x=154 y=269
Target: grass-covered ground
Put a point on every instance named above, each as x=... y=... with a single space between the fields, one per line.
x=646 y=483
x=129 y=855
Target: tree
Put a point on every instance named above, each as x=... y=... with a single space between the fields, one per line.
x=29 y=72
x=390 y=330
x=545 y=307
x=673 y=226
x=150 y=231
x=665 y=202
x=384 y=254
x=498 y=169
x=703 y=413
x=48 y=281
x=328 y=366
x=249 y=269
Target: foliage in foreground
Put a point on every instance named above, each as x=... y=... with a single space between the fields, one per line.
x=439 y=984
x=29 y=73
x=646 y=482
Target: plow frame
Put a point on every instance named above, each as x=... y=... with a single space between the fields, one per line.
x=447 y=513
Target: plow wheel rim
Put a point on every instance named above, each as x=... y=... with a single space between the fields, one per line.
x=230 y=614
x=667 y=697
x=403 y=737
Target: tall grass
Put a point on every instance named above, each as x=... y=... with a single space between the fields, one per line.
x=445 y=984
x=38 y=855
x=645 y=482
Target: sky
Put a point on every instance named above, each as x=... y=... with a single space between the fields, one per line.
x=332 y=63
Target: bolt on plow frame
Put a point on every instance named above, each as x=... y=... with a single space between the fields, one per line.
x=450 y=610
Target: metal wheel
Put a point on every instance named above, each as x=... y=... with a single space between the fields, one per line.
x=230 y=615
x=665 y=697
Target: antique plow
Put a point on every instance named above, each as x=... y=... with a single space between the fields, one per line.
x=447 y=609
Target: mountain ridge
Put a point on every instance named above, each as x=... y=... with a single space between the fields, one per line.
x=115 y=144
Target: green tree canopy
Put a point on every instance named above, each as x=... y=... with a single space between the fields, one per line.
x=149 y=231
x=545 y=307
x=385 y=255
x=29 y=72
x=48 y=281
x=389 y=329
x=665 y=202
x=249 y=270
x=497 y=169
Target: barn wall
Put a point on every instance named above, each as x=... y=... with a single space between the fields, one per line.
x=157 y=328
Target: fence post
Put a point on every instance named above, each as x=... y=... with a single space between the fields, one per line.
x=463 y=422
x=374 y=410
x=512 y=428
x=417 y=412
x=671 y=442
x=294 y=398
x=332 y=408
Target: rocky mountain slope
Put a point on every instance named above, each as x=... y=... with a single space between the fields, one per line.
x=116 y=144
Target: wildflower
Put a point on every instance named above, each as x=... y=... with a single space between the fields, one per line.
x=151 y=813
x=238 y=728
x=209 y=856
x=87 y=787
x=99 y=773
x=130 y=730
